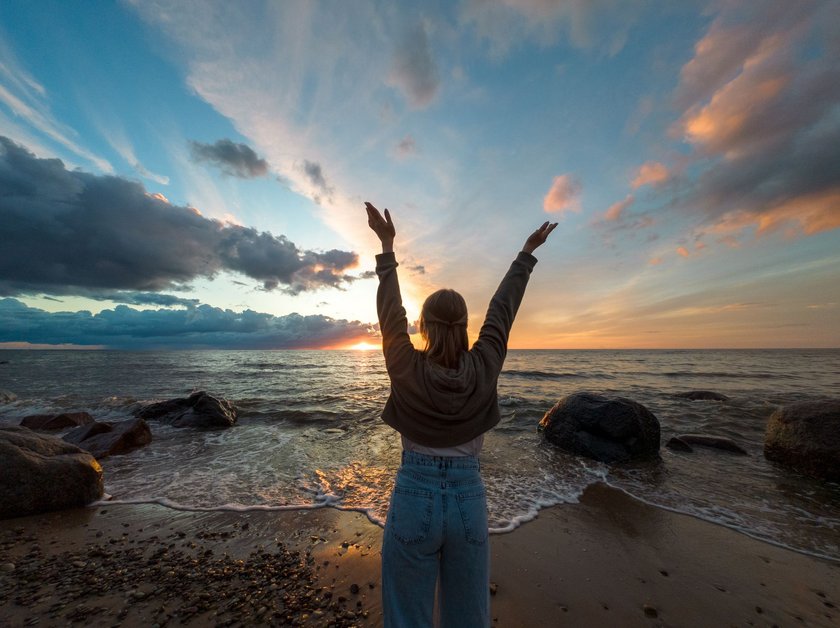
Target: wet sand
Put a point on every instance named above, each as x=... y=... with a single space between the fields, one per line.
x=608 y=561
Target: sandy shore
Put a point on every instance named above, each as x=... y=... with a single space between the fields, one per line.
x=608 y=561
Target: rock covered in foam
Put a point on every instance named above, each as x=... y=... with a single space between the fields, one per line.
x=200 y=409
x=608 y=429
x=40 y=473
x=806 y=437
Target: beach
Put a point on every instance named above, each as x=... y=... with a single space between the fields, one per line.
x=609 y=560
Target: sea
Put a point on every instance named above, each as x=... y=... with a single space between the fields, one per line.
x=309 y=433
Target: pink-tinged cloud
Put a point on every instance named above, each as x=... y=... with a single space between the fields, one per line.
x=683 y=251
x=564 y=195
x=759 y=101
x=615 y=210
x=651 y=173
x=804 y=215
x=655 y=261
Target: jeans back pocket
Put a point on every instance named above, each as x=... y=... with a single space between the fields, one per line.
x=473 y=508
x=410 y=514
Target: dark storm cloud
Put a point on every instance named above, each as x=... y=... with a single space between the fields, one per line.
x=70 y=232
x=236 y=160
x=202 y=326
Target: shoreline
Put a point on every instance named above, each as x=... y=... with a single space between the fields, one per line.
x=608 y=560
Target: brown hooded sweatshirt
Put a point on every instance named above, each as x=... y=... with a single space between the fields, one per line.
x=436 y=406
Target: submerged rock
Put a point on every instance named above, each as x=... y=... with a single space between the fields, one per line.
x=6 y=396
x=707 y=440
x=806 y=437
x=41 y=473
x=705 y=395
x=678 y=444
x=56 y=421
x=111 y=439
x=609 y=429
x=198 y=410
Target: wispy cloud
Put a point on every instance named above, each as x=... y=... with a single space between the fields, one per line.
x=413 y=69
x=615 y=210
x=26 y=98
x=600 y=24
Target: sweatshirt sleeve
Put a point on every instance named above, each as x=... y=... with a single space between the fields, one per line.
x=393 y=324
x=493 y=337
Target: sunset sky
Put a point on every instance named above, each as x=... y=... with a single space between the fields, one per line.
x=192 y=174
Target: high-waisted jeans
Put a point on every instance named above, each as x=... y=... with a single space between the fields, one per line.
x=436 y=533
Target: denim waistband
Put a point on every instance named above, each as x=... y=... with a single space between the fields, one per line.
x=440 y=462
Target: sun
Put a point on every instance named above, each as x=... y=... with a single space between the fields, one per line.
x=363 y=346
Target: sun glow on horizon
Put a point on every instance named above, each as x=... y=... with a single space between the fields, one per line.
x=364 y=346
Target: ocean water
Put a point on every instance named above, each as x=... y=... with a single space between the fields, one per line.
x=309 y=433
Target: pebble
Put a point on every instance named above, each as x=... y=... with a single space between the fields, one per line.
x=494 y=588
x=650 y=611
x=7 y=567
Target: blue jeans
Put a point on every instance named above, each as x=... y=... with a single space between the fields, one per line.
x=436 y=535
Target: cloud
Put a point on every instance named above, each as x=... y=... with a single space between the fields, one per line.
x=683 y=251
x=236 y=160
x=615 y=210
x=201 y=326
x=760 y=99
x=564 y=195
x=70 y=232
x=650 y=173
x=406 y=147
x=587 y=24
x=413 y=70
x=316 y=177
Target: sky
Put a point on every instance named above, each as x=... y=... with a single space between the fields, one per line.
x=179 y=174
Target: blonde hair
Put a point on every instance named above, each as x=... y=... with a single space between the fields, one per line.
x=443 y=325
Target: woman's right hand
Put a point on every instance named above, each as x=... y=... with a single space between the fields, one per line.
x=539 y=237
x=382 y=227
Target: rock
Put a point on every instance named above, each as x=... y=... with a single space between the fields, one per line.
x=715 y=442
x=806 y=437
x=650 y=611
x=56 y=421
x=111 y=439
x=7 y=567
x=678 y=444
x=606 y=429
x=705 y=395
x=198 y=410
x=41 y=473
x=6 y=396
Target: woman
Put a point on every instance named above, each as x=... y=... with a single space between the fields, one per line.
x=442 y=401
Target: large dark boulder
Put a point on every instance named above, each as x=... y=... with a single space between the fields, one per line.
x=56 y=421
x=198 y=410
x=704 y=395
x=609 y=429
x=806 y=437
x=40 y=473
x=111 y=439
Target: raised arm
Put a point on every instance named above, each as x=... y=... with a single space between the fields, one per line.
x=393 y=324
x=493 y=337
